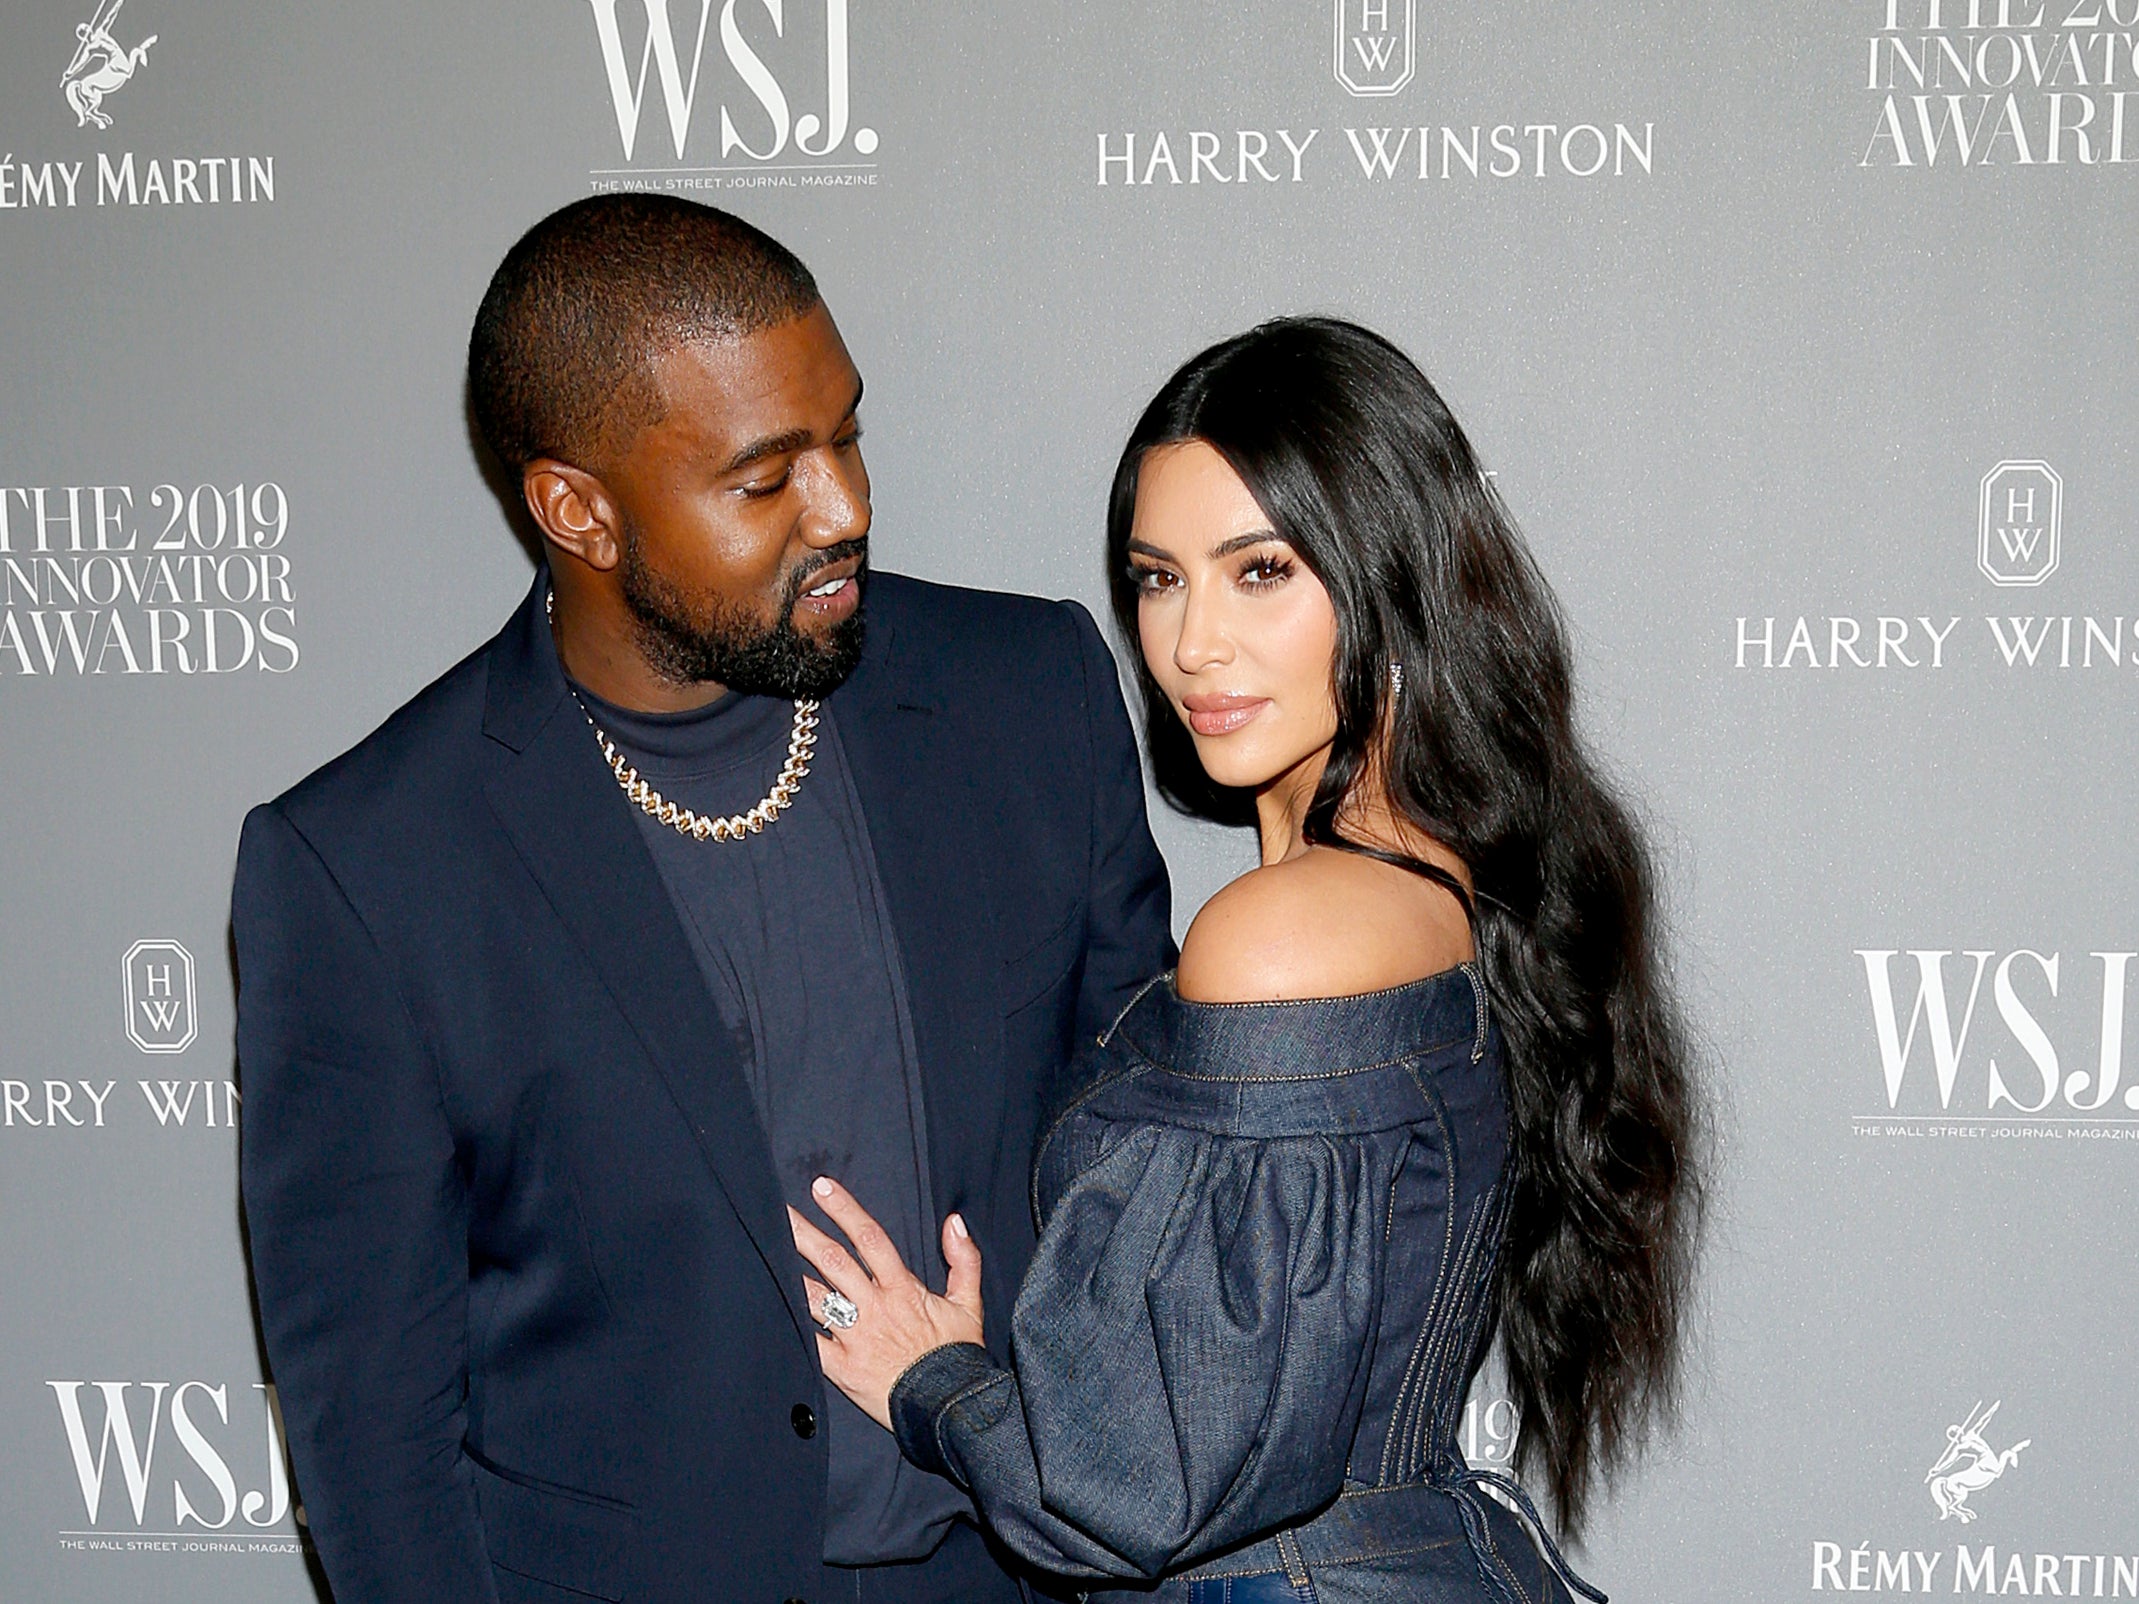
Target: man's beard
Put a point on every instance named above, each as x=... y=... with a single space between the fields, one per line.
x=722 y=644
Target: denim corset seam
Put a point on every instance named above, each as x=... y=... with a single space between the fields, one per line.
x=1406 y=1393
x=1424 y=1422
x=1433 y=1430
x=1480 y=1270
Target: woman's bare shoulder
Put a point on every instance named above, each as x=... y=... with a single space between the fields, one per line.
x=1326 y=924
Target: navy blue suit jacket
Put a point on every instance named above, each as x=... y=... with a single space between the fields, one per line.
x=522 y=1262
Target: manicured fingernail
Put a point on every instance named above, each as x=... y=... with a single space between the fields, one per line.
x=958 y=1224
x=821 y=1186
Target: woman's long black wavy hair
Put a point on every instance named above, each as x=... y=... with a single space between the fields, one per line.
x=1360 y=466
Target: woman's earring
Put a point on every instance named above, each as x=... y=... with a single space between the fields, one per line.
x=1396 y=681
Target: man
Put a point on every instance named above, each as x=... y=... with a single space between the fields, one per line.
x=536 y=1042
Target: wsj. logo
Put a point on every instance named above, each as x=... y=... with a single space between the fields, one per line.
x=774 y=123
x=1969 y=1464
x=160 y=1012
x=1377 y=45
x=126 y=1440
x=2018 y=522
x=101 y=66
x=2013 y=977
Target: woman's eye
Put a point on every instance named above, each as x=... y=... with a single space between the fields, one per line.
x=1153 y=580
x=1260 y=572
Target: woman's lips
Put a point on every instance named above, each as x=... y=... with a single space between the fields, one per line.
x=1221 y=715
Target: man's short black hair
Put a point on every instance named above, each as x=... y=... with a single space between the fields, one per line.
x=559 y=360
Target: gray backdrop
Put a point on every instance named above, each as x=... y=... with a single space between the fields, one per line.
x=1800 y=338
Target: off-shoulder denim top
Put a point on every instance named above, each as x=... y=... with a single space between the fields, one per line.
x=1263 y=1286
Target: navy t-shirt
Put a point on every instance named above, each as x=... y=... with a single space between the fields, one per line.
x=791 y=931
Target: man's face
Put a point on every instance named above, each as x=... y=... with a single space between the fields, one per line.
x=745 y=514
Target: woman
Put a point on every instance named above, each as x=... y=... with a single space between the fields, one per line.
x=1415 y=1077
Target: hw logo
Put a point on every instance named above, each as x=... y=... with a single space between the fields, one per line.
x=2017 y=524
x=160 y=1012
x=1377 y=45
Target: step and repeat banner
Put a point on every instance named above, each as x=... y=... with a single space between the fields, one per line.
x=1802 y=339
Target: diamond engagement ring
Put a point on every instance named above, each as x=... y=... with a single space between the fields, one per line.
x=840 y=1312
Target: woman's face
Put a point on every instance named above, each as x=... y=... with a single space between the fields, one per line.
x=1236 y=629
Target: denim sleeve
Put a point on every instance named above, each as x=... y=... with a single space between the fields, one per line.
x=1191 y=1347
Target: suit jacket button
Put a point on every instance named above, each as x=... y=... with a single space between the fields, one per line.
x=804 y=1420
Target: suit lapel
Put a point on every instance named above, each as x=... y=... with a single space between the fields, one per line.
x=560 y=805
x=927 y=821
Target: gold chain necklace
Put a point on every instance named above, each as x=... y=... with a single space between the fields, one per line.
x=696 y=825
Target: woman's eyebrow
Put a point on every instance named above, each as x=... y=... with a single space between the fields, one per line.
x=1254 y=537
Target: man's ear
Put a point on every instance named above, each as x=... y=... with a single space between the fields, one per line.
x=575 y=510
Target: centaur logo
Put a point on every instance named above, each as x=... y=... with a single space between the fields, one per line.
x=1966 y=1467
x=760 y=128
x=113 y=1430
x=1969 y=1464
x=101 y=66
x=1377 y=45
x=2018 y=520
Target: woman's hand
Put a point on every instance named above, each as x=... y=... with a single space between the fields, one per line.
x=900 y=1318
